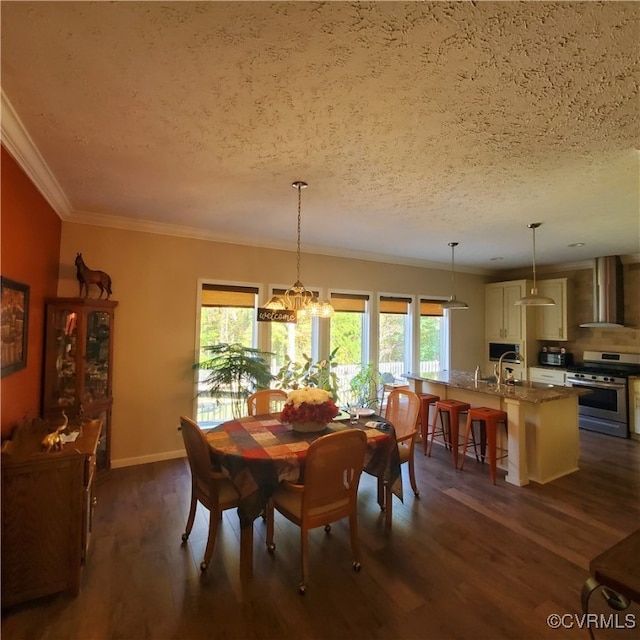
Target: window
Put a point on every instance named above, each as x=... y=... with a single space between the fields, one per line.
x=227 y=314
x=293 y=340
x=394 y=336
x=431 y=338
x=349 y=331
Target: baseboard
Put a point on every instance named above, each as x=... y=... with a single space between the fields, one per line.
x=157 y=457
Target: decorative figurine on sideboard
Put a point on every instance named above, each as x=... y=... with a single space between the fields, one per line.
x=88 y=276
x=53 y=441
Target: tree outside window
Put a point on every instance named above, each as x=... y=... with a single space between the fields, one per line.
x=227 y=315
x=348 y=331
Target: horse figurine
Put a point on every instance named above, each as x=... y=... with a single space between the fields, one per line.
x=88 y=276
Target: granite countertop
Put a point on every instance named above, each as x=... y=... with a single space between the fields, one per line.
x=535 y=392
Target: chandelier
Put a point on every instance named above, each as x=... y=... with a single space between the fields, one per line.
x=453 y=302
x=297 y=298
x=534 y=299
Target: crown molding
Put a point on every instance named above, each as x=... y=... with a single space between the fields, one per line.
x=192 y=233
x=20 y=145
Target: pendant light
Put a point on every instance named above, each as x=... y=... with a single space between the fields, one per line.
x=297 y=297
x=452 y=302
x=534 y=299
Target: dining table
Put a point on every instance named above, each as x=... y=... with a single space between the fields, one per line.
x=259 y=452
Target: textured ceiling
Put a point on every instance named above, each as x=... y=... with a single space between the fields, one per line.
x=414 y=123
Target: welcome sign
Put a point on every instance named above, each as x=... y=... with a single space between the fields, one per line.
x=277 y=315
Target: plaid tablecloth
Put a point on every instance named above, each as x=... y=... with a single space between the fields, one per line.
x=258 y=452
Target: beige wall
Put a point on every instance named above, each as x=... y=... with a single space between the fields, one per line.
x=155 y=279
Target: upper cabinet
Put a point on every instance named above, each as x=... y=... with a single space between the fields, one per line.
x=78 y=364
x=551 y=322
x=504 y=320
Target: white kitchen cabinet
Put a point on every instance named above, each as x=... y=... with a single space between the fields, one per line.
x=503 y=319
x=551 y=322
x=547 y=376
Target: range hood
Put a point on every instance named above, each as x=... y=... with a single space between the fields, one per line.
x=608 y=293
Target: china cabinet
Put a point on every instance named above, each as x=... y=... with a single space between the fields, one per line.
x=551 y=322
x=47 y=508
x=504 y=319
x=78 y=364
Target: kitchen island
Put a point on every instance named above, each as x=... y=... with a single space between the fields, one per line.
x=543 y=439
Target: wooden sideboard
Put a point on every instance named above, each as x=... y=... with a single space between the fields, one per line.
x=47 y=504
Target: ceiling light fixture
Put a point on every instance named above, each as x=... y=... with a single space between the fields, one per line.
x=534 y=299
x=452 y=302
x=297 y=297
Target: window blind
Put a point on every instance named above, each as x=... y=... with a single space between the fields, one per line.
x=220 y=295
x=392 y=304
x=349 y=302
x=431 y=307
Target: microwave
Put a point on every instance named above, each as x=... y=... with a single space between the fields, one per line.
x=555 y=359
x=496 y=349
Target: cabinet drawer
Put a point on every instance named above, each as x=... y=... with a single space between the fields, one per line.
x=547 y=376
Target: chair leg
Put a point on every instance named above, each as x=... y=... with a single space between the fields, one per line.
x=483 y=444
x=191 y=516
x=269 y=517
x=468 y=428
x=424 y=431
x=214 y=518
x=304 y=552
x=355 y=546
x=412 y=474
x=491 y=445
x=434 y=424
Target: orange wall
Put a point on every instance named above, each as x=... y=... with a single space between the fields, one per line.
x=30 y=248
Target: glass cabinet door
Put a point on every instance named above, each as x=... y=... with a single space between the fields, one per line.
x=64 y=384
x=96 y=370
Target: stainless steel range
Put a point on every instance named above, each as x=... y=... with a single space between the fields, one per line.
x=605 y=374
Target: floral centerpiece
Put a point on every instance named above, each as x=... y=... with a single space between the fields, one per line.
x=309 y=409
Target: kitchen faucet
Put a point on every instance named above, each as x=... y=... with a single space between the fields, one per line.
x=497 y=368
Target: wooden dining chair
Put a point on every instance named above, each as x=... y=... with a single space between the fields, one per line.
x=403 y=411
x=329 y=493
x=266 y=401
x=212 y=489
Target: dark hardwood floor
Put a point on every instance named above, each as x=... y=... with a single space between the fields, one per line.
x=467 y=560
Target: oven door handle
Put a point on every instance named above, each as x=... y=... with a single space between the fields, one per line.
x=599 y=385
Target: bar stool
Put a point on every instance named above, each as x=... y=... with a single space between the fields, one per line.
x=489 y=419
x=453 y=409
x=426 y=400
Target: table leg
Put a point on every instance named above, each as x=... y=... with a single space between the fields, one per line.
x=381 y=498
x=246 y=551
x=388 y=503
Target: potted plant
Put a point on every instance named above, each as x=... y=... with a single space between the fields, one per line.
x=294 y=375
x=364 y=387
x=235 y=372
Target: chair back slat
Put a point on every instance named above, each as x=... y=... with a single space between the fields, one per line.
x=266 y=401
x=333 y=468
x=403 y=409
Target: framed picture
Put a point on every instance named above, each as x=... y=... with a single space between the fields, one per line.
x=13 y=325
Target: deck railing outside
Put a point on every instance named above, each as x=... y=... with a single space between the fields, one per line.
x=210 y=412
